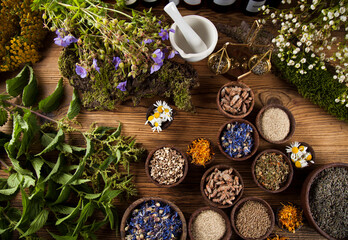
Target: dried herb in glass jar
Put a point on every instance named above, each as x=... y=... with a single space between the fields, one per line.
x=271 y=171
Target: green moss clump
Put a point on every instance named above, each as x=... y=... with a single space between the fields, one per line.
x=317 y=85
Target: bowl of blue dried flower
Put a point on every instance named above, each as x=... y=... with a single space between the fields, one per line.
x=153 y=218
x=238 y=139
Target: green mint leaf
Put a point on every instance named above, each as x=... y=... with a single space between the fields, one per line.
x=47 y=138
x=117 y=133
x=75 y=106
x=14 y=86
x=108 y=195
x=4 y=186
x=52 y=102
x=14 y=180
x=26 y=208
x=59 y=138
x=92 y=195
x=37 y=223
x=64 y=195
x=52 y=191
x=30 y=91
x=65 y=148
x=16 y=133
x=57 y=237
x=55 y=168
x=110 y=215
x=15 y=163
x=62 y=209
x=86 y=212
x=107 y=162
x=8 y=191
x=3 y=117
x=28 y=181
x=37 y=165
x=73 y=214
x=30 y=128
x=14 y=214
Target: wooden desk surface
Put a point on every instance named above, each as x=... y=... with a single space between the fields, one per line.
x=327 y=135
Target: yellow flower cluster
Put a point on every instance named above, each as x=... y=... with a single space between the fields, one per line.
x=21 y=33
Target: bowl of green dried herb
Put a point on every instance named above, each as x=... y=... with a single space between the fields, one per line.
x=153 y=216
x=324 y=199
x=272 y=171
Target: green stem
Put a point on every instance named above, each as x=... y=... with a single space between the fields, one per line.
x=3 y=163
x=109 y=9
x=13 y=223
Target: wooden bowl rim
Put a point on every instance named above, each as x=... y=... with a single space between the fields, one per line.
x=189 y=158
x=305 y=195
x=255 y=136
x=221 y=167
x=291 y=118
x=194 y=215
x=239 y=205
x=290 y=176
x=166 y=124
x=229 y=115
x=146 y=199
x=147 y=166
x=310 y=149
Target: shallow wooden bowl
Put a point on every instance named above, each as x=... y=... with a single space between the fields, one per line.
x=291 y=118
x=255 y=136
x=212 y=156
x=239 y=204
x=135 y=204
x=291 y=170
x=165 y=124
x=221 y=167
x=305 y=195
x=230 y=115
x=194 y=215
x=148 y=170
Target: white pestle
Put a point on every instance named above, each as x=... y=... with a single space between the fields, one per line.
x=193 y=40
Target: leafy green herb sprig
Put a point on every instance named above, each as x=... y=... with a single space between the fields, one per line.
x=61 y=184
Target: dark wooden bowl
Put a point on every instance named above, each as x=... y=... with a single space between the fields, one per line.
x=164 y=124
x=277 y=217
x=212 y=156
x=239 y=204
x=129 y=210
x=310 y=149
x=291 y=171
x=291 y=118
x=230 y=115
x=194 y=215
x=255 y=136
x=220 y=167
x=147 y=167
x=305 y=196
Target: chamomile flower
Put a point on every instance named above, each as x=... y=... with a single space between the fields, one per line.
x=159 y=106
x=301 y=163
x=156 y=127
x=294 y=157
x=161 y=113
x=293 y=148
x=302 y=148
x=151 y=119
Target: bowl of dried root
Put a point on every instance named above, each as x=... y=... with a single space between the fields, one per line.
x=221 y=186
x=166 y=166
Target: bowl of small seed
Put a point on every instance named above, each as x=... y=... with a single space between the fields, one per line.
x=238 y=139
x=275 y=123
x=272 y=171
x=324 y=199
x=166 y=166
x=200 y=152
x=252 y=218
x=221 y=186
x=209 y=223
x=153 y=217
x=235 y=100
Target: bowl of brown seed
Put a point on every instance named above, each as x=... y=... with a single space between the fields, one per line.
x=221 y=186
x=252 y=218
x=235 y=100
x=166 y=166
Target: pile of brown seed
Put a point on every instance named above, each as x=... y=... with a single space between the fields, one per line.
x=253 y=220
x=222 y=187
x=235 y=100
x=208 y=225
x=167 y=166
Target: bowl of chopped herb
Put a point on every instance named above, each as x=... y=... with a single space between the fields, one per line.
x=252 y=218
x=238 y=139
x=272 y=171
x=208 y=223
x=324 y=199
x=153 y=216
x=166 y=166
x=235 y=100
x=200 y=152
x=221 y=186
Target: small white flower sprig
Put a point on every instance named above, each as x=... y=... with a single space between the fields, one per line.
x=161 y=114
x=306 y=35
x=299 y=154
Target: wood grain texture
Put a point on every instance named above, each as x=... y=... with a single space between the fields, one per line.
x=327 y=135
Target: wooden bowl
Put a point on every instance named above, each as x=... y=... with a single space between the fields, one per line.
x=230 y=115
x=310 y=149
x=135 y=204
x=305 y=195
x=148 y=170
x=239 y=204
x=287 y=160
x=255 y=137
x=189 y=157
x=291 y=118
x=207 y=173
x=228 y=233
x=164 y=124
